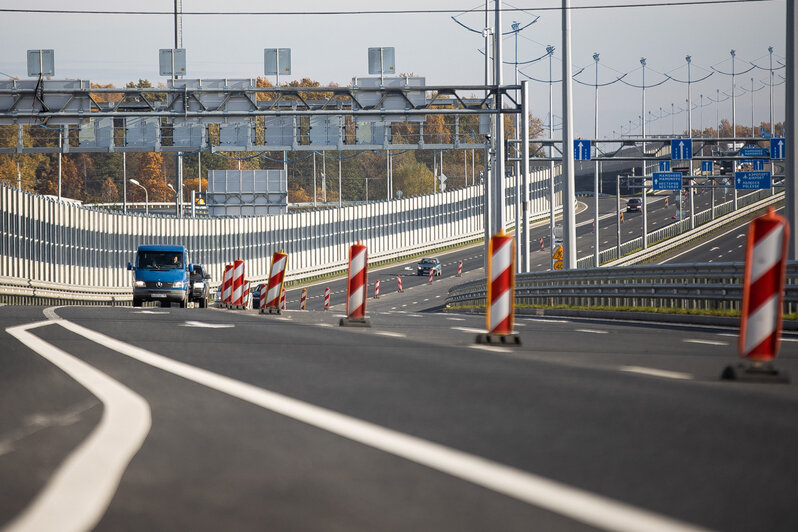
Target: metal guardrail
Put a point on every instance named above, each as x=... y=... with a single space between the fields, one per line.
x=684 y=286
x=15 y=291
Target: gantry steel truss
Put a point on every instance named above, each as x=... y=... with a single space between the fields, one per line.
x=69 y=105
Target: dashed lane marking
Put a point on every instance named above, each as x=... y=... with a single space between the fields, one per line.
x=208 y=325
x=656 y=372
x=703 y=342
x=591 y=331
x=391 y=334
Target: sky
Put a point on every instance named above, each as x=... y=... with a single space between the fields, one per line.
x=118 y=48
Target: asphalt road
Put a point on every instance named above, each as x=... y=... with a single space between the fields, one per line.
x=211 y=419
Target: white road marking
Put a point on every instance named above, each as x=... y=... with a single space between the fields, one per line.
x=391 y=334
x=469 y=330
x=325 y=325
x=591 y=331
x=150 y=312
x=80 y=490
x=594 y=510
x=789 y=339
x=208 y=325
x=456 y=319
x=656 y=372
x=491 y=348
x=734 y=335
x=545 y=320
x=704 y=342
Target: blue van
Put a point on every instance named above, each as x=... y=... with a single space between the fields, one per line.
x=161 y=273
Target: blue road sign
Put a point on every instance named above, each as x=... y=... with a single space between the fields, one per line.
x=581 y=150
x=667 y=180
x=777 y=146
x=681 y=149
x=753 y=151
x=757 y=164
x=706 y=166
x=664 y=166
x=751 y=180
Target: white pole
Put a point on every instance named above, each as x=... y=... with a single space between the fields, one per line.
x=569 y=217
x=596 y=251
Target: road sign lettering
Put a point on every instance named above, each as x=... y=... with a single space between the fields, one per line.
x=667 y=180
x=753 y=151
x=751 y=180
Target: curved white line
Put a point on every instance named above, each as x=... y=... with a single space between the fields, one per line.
x=574 y=503
x=80 y=490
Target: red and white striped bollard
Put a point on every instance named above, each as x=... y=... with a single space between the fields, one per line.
x=227 y=285
x=327 y=298
x=500 y=281
x=399 y=283
x=303 y=298
x=238 y=283
x=356 y=287
x=282 y=300
x=431 y=274
x=542 y=246
x=377 y=289
x=763 y=295
x=275 y=287
x=460 y=269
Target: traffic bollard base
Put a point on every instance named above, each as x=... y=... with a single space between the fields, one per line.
x=354 y=322
x=507 y=339
x=749 y=373
x=269 y=310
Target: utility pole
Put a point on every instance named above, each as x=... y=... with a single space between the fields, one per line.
x=643 y=166
x=498 y=140
x=569 y=217
x=596 y=251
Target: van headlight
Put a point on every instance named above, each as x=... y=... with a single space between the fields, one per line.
x=177 y=284
x=139 y=284
x=199 y=284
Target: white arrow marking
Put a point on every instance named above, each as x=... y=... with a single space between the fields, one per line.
x=208 y=325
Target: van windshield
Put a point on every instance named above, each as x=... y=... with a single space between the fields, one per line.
x=160 y=260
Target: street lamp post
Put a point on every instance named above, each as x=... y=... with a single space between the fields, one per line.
x=690 y=136
x=643 y=166
x=770 y=78
x=146 y=196
x=550 y=51
x=596 y=174
x=734 y=124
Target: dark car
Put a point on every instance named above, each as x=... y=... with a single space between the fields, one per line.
x=256 y=295
x=634 y=205
x=199 y=290
x=429 y=263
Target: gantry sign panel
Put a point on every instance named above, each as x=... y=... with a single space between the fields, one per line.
x=237 y=115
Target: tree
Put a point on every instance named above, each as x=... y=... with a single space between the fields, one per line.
x=110 y=193
x=152 y=177
x=412 y=177
x=71 y=183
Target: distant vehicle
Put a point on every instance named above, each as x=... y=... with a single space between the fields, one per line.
x=634 y=205
x=256 y=295
x=199 y=291
x=161 y=273
x=429 y=263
